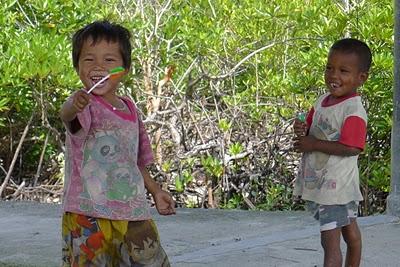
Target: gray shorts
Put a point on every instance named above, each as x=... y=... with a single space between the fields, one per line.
x=333 y=216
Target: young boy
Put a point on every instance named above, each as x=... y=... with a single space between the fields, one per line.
x=106 y=219
x=331 y=139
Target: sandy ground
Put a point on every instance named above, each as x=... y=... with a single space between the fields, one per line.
x=30 y=236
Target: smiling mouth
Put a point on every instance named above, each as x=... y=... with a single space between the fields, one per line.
x=96 y=79
x=334 y=85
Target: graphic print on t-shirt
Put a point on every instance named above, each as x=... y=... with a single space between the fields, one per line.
x=314 y=176
x=108 y=176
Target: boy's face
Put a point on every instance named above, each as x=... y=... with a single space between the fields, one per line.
x=343 y=74
x=95 y=62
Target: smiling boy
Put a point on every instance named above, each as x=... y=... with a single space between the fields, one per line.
x=336 y=132
x=107 y=154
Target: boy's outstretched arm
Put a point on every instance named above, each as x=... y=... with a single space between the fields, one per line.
x=164 y=203
x=309 y=143
x=70 y=109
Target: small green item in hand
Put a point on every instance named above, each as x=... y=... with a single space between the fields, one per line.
x=301 y=116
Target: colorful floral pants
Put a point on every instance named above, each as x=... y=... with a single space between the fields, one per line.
x=97 y=242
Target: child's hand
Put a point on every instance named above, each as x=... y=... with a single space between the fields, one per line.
x=69 y=110
x=304 y=143
x=80 y=100
x=164 y=203
x=299 y=127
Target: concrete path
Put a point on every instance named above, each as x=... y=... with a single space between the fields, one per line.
x=29 y=236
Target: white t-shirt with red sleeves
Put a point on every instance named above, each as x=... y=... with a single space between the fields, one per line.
x=329 y=179
x=102 y=175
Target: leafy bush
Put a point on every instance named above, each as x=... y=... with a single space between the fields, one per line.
x=218 y=83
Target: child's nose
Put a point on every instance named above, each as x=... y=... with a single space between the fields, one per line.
x=333 y=74
x=99 y=64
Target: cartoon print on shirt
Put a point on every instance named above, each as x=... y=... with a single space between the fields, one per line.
x=106 y=149
x=93 y=188
x=315 y=172
x=107 y=174
x=329 y=132
x=312 y=178
x=120 y=185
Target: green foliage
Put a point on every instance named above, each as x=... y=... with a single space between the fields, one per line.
x=36 y=73
x=277 y=197
x=183 y=180
x=3 y=108
x=166 y=166
x=235 y=202
x=272 y=56
x=235 y=149
x=212 y=166
x=224 y=125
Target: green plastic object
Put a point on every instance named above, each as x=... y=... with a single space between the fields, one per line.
x=116 y=70
x=301 y=116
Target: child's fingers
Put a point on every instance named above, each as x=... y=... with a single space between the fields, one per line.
x=168 y=211
x=300 y=128
x=80 y=105
x=171 y=210
x=296 y=144
x=299 y=131
x=170 y=207
x=165 y=212
x=81 y=100
x=82 y=96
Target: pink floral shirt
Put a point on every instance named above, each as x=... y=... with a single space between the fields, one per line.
x=102 y=175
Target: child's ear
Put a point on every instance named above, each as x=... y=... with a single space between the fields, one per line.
x=363 y=77
x=126 y=71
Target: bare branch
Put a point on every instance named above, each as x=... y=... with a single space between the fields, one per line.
x=21 y=141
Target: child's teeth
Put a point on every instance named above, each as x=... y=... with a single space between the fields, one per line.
x=96 y=78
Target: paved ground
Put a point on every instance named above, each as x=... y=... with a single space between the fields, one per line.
x=29 y=236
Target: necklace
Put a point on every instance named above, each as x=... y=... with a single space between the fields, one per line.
x=119 y=108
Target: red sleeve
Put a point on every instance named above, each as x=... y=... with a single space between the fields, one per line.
x=353 y=132
x=309 y=118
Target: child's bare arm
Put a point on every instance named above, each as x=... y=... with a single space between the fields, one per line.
x=310 y=143
x=164 y=203
x=69 y=110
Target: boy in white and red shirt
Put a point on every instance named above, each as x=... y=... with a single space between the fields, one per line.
x=331 y=139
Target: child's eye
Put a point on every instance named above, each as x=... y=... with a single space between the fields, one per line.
x=110 y=59
x=88 y=59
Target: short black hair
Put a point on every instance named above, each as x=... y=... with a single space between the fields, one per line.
x=103 y=30
x=355 y=46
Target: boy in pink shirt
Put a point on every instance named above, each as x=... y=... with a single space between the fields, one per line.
x=106 y=219
x=331 y=138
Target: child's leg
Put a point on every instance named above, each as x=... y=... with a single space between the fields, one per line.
x=352 y=237
x=330 y=241
x=332 y=220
